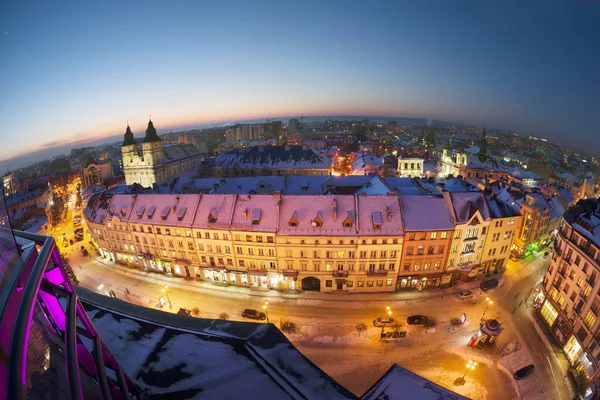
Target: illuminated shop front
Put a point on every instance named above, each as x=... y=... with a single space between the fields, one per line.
x=572 y=350
x=549 y=313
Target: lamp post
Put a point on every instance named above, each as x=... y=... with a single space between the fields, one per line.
x=164 y=290
x=470 y=367
x=389 y=314
x=266 y=308
x=489 y=302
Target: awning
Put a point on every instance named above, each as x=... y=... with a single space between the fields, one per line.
x=290 y=273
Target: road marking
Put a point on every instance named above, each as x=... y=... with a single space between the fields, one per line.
x=553 y=376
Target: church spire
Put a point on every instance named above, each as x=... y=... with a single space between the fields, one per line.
x=128 y=137
x=483 y=143
x=151 y=135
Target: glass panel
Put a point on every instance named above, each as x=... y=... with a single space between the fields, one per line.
x=9 y=254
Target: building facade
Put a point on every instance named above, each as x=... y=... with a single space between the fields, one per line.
x=570 y=303
x=146 y=164
x=410 y=166
x=471 y=216
x=500 y=235
x=95 y=174
x=428 y=231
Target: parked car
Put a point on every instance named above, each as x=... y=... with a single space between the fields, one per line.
x=523 y=372
x=416 y=320
x=85 y=253
x=465 y=294
x=383 y=322
x=489 y=284
x=253 y=314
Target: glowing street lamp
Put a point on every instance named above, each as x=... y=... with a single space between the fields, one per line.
x=488 y=302
x=164 y=290
x=266 y=308
x=470 y=367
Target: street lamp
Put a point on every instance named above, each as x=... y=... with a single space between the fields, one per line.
x=389 y=314
x=164 y=290
x=266 y=308
x=488 y=302
x=470 y=367
x=100 y=288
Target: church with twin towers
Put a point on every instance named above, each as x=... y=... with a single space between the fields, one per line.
x=149 y=162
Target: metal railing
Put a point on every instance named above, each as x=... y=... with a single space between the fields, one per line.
x=45 y=282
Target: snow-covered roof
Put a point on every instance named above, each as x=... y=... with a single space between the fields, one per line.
x=522 y=174
x=214 y=211
x=374 y=186
x=212 y=359
x=425 y=213
x=271 y=157
x=498 y=208
x=398 y=383
x=379 y=215
x=255 y=212
x=253 y=185
x=162 y=209
x=332 y=215
x=465 y=206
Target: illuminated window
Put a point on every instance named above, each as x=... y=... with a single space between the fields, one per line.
x=589 y=320
x=549 y=313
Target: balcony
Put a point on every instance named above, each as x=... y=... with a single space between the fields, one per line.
x=340 y=274
x=40 y=301
x=257 y=272
x=377 y=273
x=290 y=273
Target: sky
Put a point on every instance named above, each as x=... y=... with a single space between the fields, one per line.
x=72 y=72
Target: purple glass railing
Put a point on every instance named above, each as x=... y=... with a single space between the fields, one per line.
x=51 y=343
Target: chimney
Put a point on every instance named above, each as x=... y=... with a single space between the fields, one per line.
x=177 y=200
x=334 y=210
x=245 y=213
x=389 y=214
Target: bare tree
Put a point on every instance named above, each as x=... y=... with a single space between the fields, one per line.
x=196 y=312
x=288 y=326
x=360 y=327
x=224 y=316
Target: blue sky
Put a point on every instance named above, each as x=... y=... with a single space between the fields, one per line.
x=72 y=72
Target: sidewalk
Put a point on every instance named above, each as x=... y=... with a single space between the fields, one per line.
x=236 y=291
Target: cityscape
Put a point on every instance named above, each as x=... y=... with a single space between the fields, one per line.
x=356 y=235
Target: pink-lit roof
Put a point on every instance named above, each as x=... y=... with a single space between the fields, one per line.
x=163 y=209
x=255 y=212
x=306 y=209
x=379 y=215
x=219 y=206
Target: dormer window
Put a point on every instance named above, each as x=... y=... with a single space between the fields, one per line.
x=347 y=222
x=151 y=211
x=256 y=214
x=293 y=220
x=140 y=211
x=377 y=220
x=165 y=212
x=212 y=216
x=181 y=213
x=317 y=221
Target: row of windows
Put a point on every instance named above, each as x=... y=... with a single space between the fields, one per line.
x=410 y=250
x=423 y=235
x=363 y=254
x=507 y=235
x=417 y=266
x=508 y=222
x=350 y=283
x=503 y=249
x=316 y=266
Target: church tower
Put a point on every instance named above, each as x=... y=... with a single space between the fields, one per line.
x=128 y=154
x=152 y=147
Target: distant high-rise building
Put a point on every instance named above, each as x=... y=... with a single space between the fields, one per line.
x=293 y=125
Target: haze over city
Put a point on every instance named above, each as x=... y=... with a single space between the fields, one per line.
x=77 y=72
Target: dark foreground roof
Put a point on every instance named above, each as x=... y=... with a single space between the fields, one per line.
x=178 y=357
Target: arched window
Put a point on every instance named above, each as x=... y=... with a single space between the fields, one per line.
x=405 y=165
x=412 y=165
